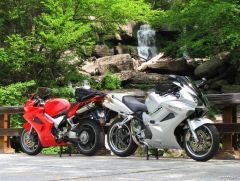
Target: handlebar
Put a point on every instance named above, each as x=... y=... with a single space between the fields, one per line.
x=202 y=83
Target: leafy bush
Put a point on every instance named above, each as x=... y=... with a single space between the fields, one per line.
x=213 y=111
x=205 y=27
x=56 y=150
x=13 y=95
x=64 y=92
x=111 y=81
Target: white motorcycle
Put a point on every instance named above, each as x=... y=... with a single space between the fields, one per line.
x=172 y=117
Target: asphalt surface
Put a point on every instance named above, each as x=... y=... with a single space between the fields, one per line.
x=21 y=167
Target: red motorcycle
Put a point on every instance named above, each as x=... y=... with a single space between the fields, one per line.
x=56 y=121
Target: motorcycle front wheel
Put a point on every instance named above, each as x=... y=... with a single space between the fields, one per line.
x=120 y=139
x=30 y=143
x=90 y=137
x=206 y=146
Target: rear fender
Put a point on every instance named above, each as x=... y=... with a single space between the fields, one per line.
x=198 y=122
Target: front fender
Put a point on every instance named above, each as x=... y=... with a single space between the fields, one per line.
x=197 y=122
x=27 y=126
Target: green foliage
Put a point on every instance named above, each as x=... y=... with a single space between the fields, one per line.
x=15 y=94
x=56 y=150
x=64 y=92
x=57 y=28
x=213 y=111
x=52 y=150
x=111 y=81
x=35 y=34
x=206 y=27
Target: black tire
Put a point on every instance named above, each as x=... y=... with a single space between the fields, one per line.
x=90 y=137
x=208 y=138
x=30 y=144
x=126 y=139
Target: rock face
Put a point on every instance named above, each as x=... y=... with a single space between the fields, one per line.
x=128 y=30
x=102 y=51
x=176 y=66
x=141 y=77
x=167 y=65
x=115 y=64
x=231 y=88
x=123 y=49
x=212 y=67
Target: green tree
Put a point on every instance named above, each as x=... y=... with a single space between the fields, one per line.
x=206 y=26
x=53 y=26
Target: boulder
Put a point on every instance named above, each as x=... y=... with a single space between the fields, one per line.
x=167 y=65
x=217 y=85
x=231 y=88
x=154 y=60
x=141 y=77
x=102 y=51
x=70 y=57
x=115 y=64
x=122 y=49
x=128 y=30
x=237 y=78
x=212 y=67
x=175 y=66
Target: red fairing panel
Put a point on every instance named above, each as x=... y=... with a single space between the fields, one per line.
x=27 y=126
x=54 y=106
x=44 y=132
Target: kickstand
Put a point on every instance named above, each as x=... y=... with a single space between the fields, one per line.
x=69 y=149
x=146 y=150
x=61 y=150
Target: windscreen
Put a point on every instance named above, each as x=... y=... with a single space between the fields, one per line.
x=186 y=81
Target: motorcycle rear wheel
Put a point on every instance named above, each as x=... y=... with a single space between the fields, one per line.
x=207 y=146
x=30 y=144
x=90 y=137
x=120 y=140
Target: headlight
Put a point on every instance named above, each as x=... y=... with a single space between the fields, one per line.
x=195 y=99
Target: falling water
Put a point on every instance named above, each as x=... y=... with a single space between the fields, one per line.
x=146 y=42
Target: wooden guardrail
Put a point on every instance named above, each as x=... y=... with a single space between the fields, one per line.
x=229 y=128
x=5 y=130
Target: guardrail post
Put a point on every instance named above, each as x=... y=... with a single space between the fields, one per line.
x=227 y=138
x=5 y=146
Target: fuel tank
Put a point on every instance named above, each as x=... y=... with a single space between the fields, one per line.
x=54 y=106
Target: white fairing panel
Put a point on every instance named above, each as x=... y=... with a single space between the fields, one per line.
x=197 y=122
x=164 y=122
x=119 y=96
x=116 y=105
x=154 y=101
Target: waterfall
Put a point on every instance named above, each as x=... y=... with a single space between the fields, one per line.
x=146 y=42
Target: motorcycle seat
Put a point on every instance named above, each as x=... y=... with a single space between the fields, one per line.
x=134 y=104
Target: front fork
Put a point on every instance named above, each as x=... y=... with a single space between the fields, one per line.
x=195 y=123
x=126 y=120
x=192 y=130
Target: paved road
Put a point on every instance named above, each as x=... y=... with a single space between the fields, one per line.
x=21 y=167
